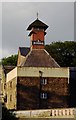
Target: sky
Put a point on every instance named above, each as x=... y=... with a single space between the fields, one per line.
x=16 y=17
x=75 y=21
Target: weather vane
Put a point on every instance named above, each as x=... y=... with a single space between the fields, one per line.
x=37 y=15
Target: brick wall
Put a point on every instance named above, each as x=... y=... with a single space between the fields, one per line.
x=57 y=89
x=29 y=89
x=28 y=93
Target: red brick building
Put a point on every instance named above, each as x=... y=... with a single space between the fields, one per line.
x=38 y=82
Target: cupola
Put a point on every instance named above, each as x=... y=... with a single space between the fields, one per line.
x=37 y=34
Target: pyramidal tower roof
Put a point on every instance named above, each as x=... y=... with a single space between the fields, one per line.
x=39 y=58
x=37 y=23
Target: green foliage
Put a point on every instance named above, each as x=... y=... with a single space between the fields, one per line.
x=12 y=60
x=7 y=115
x=63 y=52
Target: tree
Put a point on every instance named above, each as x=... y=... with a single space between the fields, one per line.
x=63 y=52
x=12 y=60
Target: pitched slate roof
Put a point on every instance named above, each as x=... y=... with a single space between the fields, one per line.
x=39 y=58
x=37 y=23
x=24 y=50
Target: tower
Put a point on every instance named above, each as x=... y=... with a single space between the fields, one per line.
x=37 y=34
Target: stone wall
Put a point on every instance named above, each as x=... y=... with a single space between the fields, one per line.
x=11 y=94
x=48 y=113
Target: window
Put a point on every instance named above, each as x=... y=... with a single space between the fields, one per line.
x=43 y=81
x=10 y=97
x=5 y=86
x=39 y=29
x=5 y=98
x=11 y=84
x=43 y=95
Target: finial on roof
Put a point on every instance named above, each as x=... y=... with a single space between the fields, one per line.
x=37 y=15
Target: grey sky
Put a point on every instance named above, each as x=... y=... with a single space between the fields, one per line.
x=16 y=17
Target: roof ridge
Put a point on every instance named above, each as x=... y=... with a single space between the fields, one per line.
x=26 y=57
x=51 y=57
x=37 y=49
x=24 y=47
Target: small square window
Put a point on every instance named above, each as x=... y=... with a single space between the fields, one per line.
x=43 y=81
x=43 y=95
